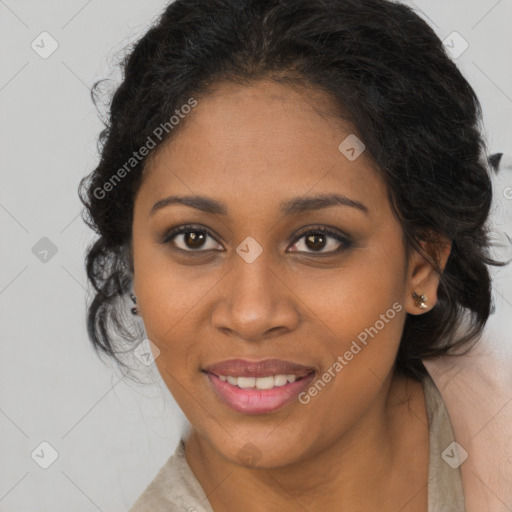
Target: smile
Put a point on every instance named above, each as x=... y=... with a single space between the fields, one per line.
x=262 y=387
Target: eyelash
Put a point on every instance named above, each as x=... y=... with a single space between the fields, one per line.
x=345 y=241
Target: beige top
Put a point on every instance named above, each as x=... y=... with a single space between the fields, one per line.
x=175 y=488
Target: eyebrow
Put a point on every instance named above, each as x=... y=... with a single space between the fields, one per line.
x=292 y=206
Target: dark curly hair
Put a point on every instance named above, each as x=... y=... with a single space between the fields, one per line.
x=388 y=73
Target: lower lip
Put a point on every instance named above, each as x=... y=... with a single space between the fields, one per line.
x=258 y=401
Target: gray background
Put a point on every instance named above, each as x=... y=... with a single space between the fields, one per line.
x=110 y=434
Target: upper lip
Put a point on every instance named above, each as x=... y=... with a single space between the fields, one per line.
x=264 y=368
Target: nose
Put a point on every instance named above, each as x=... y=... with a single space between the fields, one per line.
x=255 y=302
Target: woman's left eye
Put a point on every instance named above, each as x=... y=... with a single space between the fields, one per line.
x=322 y=240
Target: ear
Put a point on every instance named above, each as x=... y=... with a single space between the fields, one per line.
x=422 y=277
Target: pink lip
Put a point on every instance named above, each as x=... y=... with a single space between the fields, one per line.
x=258 y=401
x=247 y=368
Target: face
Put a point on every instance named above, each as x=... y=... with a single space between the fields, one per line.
x=268 y=266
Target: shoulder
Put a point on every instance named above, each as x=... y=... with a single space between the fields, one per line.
x=174 y=488
x=477 y=391
x=160 y=493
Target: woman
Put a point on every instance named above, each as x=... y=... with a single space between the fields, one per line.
x=295 y=195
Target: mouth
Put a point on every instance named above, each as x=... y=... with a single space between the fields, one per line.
x=258 y=387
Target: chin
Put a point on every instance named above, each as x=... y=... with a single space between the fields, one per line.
x=260 y=448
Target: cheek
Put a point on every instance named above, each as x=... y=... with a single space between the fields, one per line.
x=355 y=295
x=360 y=326
x=361 y=315
x=171 y=300
x=164 y=293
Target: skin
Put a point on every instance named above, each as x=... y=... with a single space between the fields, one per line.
x=251 y=147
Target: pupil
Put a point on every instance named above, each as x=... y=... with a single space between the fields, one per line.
x=194 y=239
x=314 y=241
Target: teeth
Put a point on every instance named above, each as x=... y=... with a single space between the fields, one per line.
x=246 y=382
x=268 y=382
x=263 y=382
x=280 y=380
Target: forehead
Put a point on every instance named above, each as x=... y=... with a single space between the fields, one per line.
x=265 y=141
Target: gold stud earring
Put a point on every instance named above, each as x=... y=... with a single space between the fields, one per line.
x=420 y=300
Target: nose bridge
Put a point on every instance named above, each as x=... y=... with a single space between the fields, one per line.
x=253 y=281
x=255 y=301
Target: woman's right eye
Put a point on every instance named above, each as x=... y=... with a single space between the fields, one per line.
x=191 y=239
